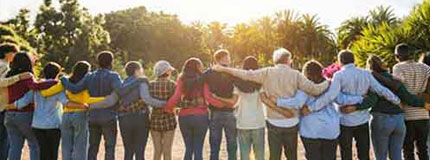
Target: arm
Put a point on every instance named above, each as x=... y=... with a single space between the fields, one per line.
x=345 y=99
x=409 y=99
x=310 y=87
x=116 y=81
x=92 y=100
x=25 y=100
x=287 y=113
x=369 y=101
x=212 y=100
x=295 y=102
x=127 y=88
x=376 y=87
x=229 y=101
x=61 y=97
x=146 y=97
x=6 y=82
x=254 y=76
x=53 y=90
x=110 y=101
x=40 y=85
x=327 y=97
x=75 y=88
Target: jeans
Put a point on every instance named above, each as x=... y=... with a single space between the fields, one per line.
x=109 y=131
x=388 y=134
x=18 y=126
x=416 y=135
x=319 y=149
x=251 y=138
x=360 y=134
x=163 y=142
x=193 y=129
x=74 y=136
x=282 y=139
x=49 y=142
x=223 y=121
x=4 y=144
x=134 y=128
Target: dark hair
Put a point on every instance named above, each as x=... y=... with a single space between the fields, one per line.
x=191 y=77
x=21 y=63
x=105 y=59
x=6 y=48
x=313 y=71
x=80 y=69
x=402 y=52
x=51 y=70
x=220 y=54
x=131 y=67
x=374 y=63
x=346 y=57
x=425 y=58
x=164 y=75
x=250 y=63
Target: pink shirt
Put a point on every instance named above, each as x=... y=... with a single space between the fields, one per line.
x=194 y=110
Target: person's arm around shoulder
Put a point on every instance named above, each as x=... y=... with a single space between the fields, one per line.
x=147 y=98
x=53 y=90
x=108 y=101
x=175 y=98
x=75 y=88
x=210 y=98
x=329 y=96
x=310 y=87
x=376 y=87
x=24 y=101
x=295 y=102
x=250 y=75
x=6 y=82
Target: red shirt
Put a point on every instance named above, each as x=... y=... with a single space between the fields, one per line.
x=195 y=110
x=19 y=89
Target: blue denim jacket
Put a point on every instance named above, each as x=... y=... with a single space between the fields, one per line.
x=99 y=83
x=48 y=111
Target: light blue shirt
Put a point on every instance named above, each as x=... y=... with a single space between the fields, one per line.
x=47 y=112
x=353 y=81
x=322 y=124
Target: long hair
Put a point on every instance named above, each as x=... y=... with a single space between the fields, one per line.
x=250 y=63
x=191 y=77
x=374 y=63
x=80 y=69
x=313 y=71
x=21 y=63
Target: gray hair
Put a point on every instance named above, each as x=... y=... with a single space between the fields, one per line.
x=281 y=54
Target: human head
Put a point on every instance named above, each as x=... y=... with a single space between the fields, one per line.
x=51 y=70
x=163 y=69
x=374 y=63
x=80 y=69
x=249 y=63
x=345 y=57
x=313 y=71
x=134 y=68
x=222 y=57
x=8 y=51
x=402 y=52
x=21 y=63
x=282 y=56
x=191 y=72
x=105 y=59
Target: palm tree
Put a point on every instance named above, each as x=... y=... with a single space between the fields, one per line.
x=350 y=31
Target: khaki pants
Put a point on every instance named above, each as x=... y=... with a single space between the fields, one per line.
x=163 y=142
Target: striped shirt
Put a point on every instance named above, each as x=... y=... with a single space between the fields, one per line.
x=414 y=75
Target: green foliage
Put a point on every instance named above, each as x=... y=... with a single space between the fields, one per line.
x=69 y=34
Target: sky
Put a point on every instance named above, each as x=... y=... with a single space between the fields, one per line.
x=330 y=12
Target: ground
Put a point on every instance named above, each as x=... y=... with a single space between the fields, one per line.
x=178 y=150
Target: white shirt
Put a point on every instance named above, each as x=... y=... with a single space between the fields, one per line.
x=249 y=110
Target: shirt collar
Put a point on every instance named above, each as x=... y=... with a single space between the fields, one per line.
x=348 y=66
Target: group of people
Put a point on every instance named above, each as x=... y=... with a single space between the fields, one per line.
x=326 y=107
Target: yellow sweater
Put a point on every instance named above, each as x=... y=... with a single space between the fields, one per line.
x=82 y=97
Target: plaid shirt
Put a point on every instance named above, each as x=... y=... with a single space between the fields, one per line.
x=162 y=89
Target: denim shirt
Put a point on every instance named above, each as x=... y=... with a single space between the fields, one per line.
x=353 y=81
x=99 y=83
x=322 y=124
x=48 y=111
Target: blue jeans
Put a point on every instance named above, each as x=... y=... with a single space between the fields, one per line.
x=4 y=144
x=193 y=129
x=134 y=128
x=18 y=126
x=388 y=133
x=223 y=121
x=251 y=138
x=107 y=128
x=74 y=136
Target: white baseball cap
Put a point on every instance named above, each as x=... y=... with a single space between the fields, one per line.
x=162 y=67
